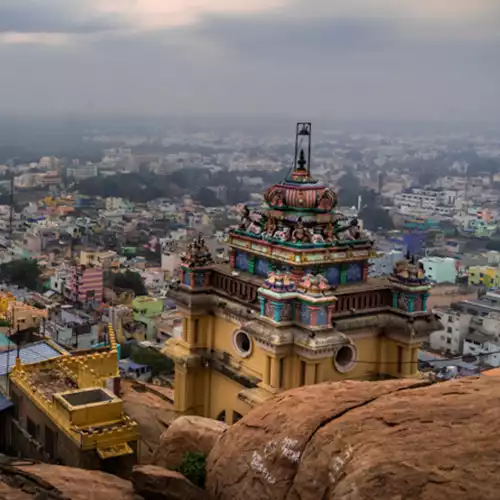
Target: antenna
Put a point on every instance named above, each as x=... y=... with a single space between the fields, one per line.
x=11 y=214
x=303 y=132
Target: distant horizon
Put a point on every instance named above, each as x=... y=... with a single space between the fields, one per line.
x=249 y=118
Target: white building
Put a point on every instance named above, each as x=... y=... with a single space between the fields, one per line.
x=418 y=201
x=83 y=172
x=170 y=262
x=487 y=348
x=456 y=327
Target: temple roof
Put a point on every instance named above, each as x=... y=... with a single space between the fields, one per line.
x=300 y=191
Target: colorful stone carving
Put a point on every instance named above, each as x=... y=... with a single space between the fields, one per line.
x=406 y=272
x=301 y=234
x=314 y=284
x=197 y=254
x=279 y=282
x=327 y=200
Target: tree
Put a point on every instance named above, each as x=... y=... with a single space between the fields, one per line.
x=349 y=189
x=375 y=218
x=193 y=468
x=130 y=280
x=22 y=272
x=208 y=198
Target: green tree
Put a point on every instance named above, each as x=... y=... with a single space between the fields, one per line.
x=375 y=218
x=193 y=468
x=158 y=363
x=208 y=198
x=22 y=272
x=130 y=280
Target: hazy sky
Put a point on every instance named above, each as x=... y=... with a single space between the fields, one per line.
x=359 y=59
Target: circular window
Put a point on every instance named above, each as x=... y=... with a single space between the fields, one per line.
x=242 y=343
x=345 y=358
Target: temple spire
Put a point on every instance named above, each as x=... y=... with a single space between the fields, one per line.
x=302 y=135
x=301 y=162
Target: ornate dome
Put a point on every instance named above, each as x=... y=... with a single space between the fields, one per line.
x=301 y=192
x=314 y=284
x=279 y=282
x=407 y=272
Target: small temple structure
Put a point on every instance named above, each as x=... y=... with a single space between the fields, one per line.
x=294 y=306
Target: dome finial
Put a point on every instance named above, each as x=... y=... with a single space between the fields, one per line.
x=301 y=162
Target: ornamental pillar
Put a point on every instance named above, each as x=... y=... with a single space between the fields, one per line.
x=411 y=303
x=366 y=267
x=343 y=274
x=425 y=296
x=313 y=315
x=262 y=302
x=251 y=264
x=310 y=373
x=278 y=306
x=395 y=300
x=275 y=372
x=267 y=370
x=190 y=332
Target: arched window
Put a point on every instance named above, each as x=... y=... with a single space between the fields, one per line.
x=236 y=416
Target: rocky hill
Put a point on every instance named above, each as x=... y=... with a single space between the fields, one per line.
x=392 y=440
x=395 y=440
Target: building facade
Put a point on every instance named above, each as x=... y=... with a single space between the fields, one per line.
x=440 y=269
x=488 y=276
x=294 y=306
x=86 y=284
x=67 y=411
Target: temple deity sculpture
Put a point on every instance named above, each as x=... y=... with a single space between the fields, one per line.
x=301 y=234
x=328 y=233
x=270 y=227
x=245 y=218
x=327 y=200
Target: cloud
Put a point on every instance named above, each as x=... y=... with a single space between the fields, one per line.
x=154 y=14
x=50 y=39
x=52 y=16
x=342 y=58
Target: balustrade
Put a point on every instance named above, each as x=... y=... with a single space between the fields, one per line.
x=235 y=288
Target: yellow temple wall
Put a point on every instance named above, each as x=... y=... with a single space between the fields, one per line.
x=224 y=397
x=223 y=341
x=366 y=365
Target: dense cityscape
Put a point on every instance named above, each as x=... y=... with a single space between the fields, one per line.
x=94 y=255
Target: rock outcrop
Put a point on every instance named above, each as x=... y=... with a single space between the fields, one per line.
x=187 y=434
x=157 y=483
x=26 y=481
x=152 y=412
x=396 y=440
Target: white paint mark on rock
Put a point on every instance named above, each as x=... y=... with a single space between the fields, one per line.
x=258 y=465
x=272 y=450
x=287 y=449
x=338 y=464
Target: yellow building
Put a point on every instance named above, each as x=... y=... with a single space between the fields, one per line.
x=18 y=315
x=107 y=259
x=294 y=306
x=67 y=412
x=484 y=275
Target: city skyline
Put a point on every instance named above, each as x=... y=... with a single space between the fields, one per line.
x=366 y=60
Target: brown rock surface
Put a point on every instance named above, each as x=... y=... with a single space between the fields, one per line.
x=63 y=482
x=157 y=483
x=397 y=440
x=151 y=411
x=187 y=433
